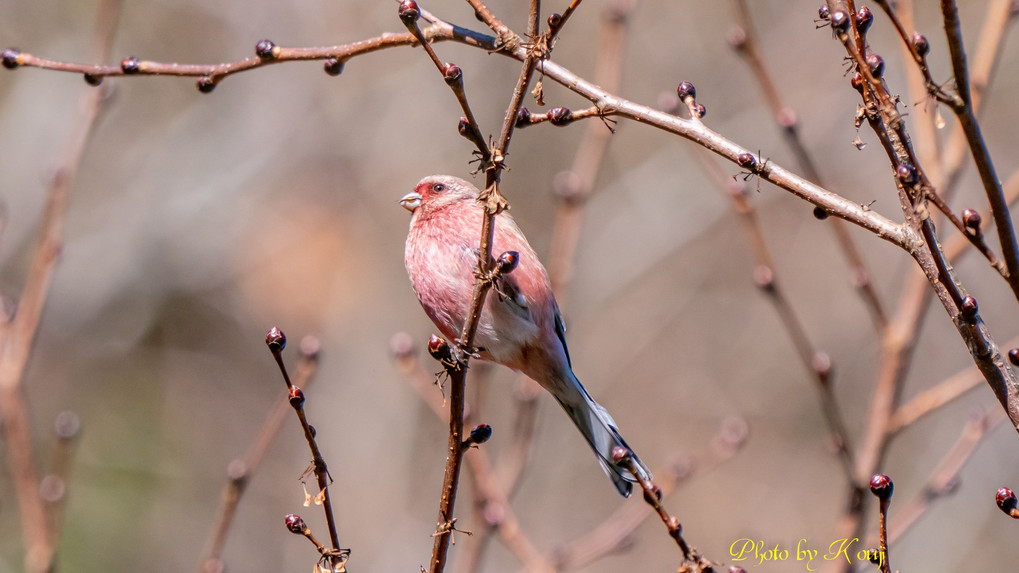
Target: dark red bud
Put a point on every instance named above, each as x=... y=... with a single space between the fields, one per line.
x=920 y=44
x=130 y=65
x=746 y=160
x=266 y=50
x=523 y=117
x=463 y=127
x=823 y=13
x=205 y=84
x=1013 y=356
x=295 y=524
x=480 y=434
x=839 y=21
x=333 y=66
x=296 y=397
x=1006 y=500
x=881 y=486
x=621 y=455
x=906 y=174
x=409 y=12
x=93 y=80
x=700 y=110
x=10 y=58
x=874 y=556
x=876 y=64
x=452 y=74
x=971 y=219
x=275 y=339
x=969 y=309
x=857 y=82
x=507 y=262
x=560 y=116
x=864 y=18
x=820 y=214
x=554 y=20
x=439 y=349
x=686 y=90
x=656 y=492
x=313 y=431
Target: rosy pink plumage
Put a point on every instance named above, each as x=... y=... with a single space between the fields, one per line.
x=520 y=325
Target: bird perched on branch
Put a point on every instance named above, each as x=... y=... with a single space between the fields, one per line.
x=520 y=325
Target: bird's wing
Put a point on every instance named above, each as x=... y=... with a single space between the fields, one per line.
x=560 y=331
x=508 y=291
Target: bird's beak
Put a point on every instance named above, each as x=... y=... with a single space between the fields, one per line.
x=411 y=201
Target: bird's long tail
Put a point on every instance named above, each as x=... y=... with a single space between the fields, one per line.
x=599 y=429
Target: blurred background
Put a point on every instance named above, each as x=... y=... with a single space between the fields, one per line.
x=199 y=221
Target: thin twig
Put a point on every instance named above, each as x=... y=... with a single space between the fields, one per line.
x=963 y=109
x=490 y=490
x=336 y=556
x=240 y=471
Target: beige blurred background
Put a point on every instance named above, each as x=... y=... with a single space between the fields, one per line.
x=199 y=221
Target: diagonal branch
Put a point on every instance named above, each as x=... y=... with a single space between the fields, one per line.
x=963 y=108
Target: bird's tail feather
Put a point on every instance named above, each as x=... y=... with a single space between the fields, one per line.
x=599 y=429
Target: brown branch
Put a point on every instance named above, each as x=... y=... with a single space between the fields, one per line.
x=211 y=74
x=490 y=490
x=945 y=477
x=493 y=203
x=964 y=111
x=958 y=384
x=18 y=333
x=573 y=188
x=453 y=76
x=614 y=105
x=881 y=487
x=240 y=471
x=335 y=556
x=507 y=38
x=999 y=15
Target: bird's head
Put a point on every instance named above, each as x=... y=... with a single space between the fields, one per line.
x=436 y=192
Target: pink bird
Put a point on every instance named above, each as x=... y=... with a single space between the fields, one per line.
x=520 y=324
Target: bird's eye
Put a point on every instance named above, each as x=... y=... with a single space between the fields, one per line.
x=438 y=187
